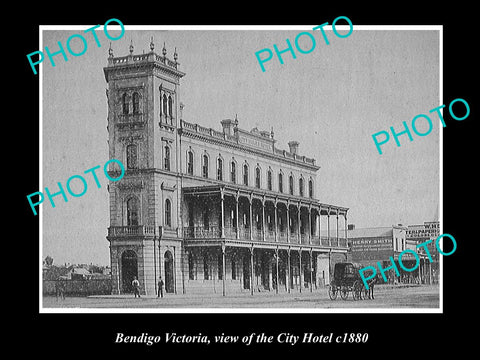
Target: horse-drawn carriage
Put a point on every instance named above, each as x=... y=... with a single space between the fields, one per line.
x=346 y=279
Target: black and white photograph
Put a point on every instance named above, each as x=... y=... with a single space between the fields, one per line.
x=257 y=172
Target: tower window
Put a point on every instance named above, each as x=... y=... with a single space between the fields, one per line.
x=300 y=186
x=136 y=103
x=310 y=189
x=280 y=182
x=125 y=104
x=170 y=106
x=132 y=211
x=164 y=104
x=290 y=180
x=166 y=159
x=132 y=156
x=168 y=213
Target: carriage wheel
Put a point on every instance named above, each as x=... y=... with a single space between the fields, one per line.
x=332 y=292
x=356 y=290
x=364 y=293
x=344 y=292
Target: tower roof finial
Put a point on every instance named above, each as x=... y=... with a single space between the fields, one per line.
x=110 y=50
x=164 y=50
x=175 y=55
x=152 y=45
x=131 y=46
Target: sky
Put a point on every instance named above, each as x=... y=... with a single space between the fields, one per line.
x=331 y=100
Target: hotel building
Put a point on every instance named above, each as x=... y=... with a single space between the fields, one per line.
x=208 y=211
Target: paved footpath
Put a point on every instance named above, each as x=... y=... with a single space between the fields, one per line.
x=386 y=297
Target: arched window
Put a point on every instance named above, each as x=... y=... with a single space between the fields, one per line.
x=136 y=103
x=205 y=166
x=164 y=104
x=132 y=156
x=290 y=184
x=269 y=179
x=245 y=174
x=168 y=213
x=280 y=182
x=310 y=189
x=166 y=159
x=300 y=186
x=257 y=177
x=220 y=169
x=170 y=106
x=233 y=172
x=190 y=162
x=125 y=103
x=132 y=211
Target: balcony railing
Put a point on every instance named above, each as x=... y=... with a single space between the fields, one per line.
x=130 y=118
x=201 y=232
x=137 y=230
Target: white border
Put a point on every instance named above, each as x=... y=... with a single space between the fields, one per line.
x=203 y=310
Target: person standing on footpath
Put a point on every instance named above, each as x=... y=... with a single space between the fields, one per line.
x=160 y=287
x=136 y=287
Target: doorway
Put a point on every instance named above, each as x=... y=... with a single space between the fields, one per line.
x=129 y=270
x=169 y=278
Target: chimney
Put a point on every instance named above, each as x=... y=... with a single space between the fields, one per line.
x=227 y=126
x=293 y=147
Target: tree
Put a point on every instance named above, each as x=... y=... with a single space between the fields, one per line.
x=48 y=260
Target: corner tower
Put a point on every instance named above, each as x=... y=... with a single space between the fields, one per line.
x=143 y=114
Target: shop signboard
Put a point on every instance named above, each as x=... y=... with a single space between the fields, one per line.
x=372 y=248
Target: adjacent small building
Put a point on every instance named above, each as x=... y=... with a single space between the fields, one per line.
x=418 y=234
x=370 y=246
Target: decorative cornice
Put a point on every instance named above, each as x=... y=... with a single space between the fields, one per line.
x=234 y=145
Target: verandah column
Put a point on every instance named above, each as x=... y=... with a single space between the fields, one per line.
x=263 y=217
x=309 y=221
x=288 y=221
x=311 y=269
x=288 y=271
x=236 y=215
x=250 y=199
x=320 y=225
x=276 y=220
x=328 y=226
x=276 y=264
x=222 y=206
x=251 y=270
x=300 y=268
x=224 y=273
x=337 y=229
x=299 y=236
